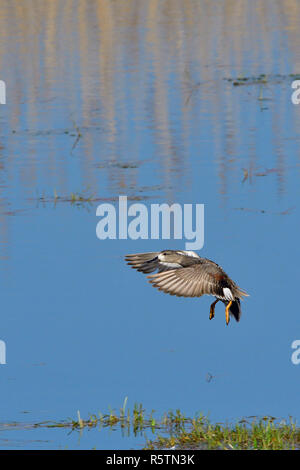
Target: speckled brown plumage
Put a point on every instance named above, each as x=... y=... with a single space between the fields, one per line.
x=186 y=274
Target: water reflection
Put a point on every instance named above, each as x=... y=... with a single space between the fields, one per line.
x=141 y=79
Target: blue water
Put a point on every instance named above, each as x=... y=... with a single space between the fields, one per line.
x=133 y=101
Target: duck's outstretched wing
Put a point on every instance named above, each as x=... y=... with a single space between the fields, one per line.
x=185 y=282
x=147 y=262
x=195 y=281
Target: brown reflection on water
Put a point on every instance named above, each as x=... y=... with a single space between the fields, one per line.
x=103 y=66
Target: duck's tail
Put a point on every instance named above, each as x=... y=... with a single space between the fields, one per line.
x=235 y=309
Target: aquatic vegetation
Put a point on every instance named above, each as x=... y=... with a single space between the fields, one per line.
x=174 y=430
x=82 y=199
x=122 y=165
x=248 y=174
x=255 y=434
x=263 y=211
x=78 y=136
x=262 y=79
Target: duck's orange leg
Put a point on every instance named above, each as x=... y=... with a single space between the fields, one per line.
x=212 y=309
x=227 y=312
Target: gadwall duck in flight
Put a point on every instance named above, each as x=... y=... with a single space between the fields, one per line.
x=185 y=274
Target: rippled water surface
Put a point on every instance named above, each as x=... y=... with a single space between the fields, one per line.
x=162 y=101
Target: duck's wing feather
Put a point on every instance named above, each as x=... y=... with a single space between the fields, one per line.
x=202 y=277
x=147 y=262
x=194 y=281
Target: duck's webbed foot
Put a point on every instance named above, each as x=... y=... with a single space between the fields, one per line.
x=212 y=309
x=227 y=318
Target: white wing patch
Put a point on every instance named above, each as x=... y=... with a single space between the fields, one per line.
x=227 y=293
x=170 y=265
x=191 y=253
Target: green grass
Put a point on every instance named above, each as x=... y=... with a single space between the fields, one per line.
x=259 y=434
x=175 y=430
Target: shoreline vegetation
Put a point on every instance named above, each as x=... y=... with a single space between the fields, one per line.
x=175 y=431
